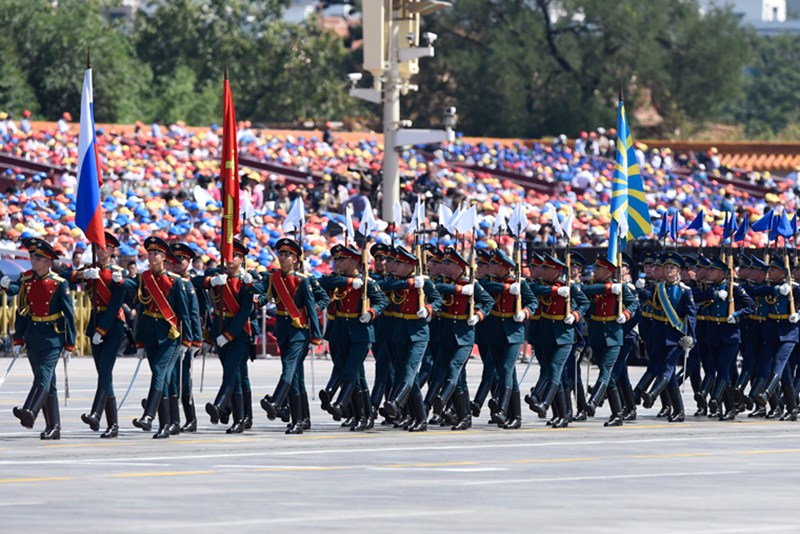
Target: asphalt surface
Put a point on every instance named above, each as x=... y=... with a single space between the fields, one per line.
x=648 y=476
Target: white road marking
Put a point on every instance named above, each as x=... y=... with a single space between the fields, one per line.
x=599 y=477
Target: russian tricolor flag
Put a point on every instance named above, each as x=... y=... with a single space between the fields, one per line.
x=89 y=211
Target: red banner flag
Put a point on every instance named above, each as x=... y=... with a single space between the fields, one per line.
x=229 y=173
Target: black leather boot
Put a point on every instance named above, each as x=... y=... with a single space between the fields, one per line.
x=145 y=422
x=770 y=388
x=360 y=412
x=677 y=415
x=272 y=404
x=371 y=410
x=580 y=403
x=561 y=400
x=237 y=405
x=93 y=418
x=394 y=406
x=629 y=413
x=164 y=419
x=666 y=405
x=641 y=386
x=790 y=399
x=52 y=430
x=111 y=419
x=616 y=408
x=33 y=404
x=480 y=397
x=326 y=395
x=306 y=411
x=417 y=405
x=730 y=405
x=514 y=412
x=336 y=409
x=550 y=392
x=296 y=408
x=462 y=407
x=247 y=398
x=440 y=401
x=500 y=412
x=175 y=415
x=189 y=413
x=649 y=398
x=594 y=401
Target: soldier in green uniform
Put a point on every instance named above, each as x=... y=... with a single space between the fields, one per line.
x=415 y=300
x=45 y=325
x=165 y=314
x=380 y=349
x=296 y=326
x=350 y=331
x=180 y=387
x=558 y=335
x=464 y=304
x=606 y=320
x=483 y=274
x=506 y=323
x=107 y=286
x=232 y=293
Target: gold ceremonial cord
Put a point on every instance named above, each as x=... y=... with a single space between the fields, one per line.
x=144 y=299
x=398 y=298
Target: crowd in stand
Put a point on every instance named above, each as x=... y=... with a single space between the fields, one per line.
x=163 y=181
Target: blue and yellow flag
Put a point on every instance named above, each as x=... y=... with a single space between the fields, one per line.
x=619 y=191
x=638 y=214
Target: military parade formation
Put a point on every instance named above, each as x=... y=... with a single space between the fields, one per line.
x=421 y=314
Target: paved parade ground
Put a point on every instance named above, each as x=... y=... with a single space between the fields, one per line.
x=648 y=476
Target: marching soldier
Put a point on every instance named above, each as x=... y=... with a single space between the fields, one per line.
x=45 y=325
x=434 y=258
x=350 y=331
x=572 y=376
x=483 y=336
x=415 y=300
x=181 y=377
x=534 y=339
x=458 y=319
x=558 y=335
x=754 y=341
x=728 y=303
x=629 y=340
x=107 y=285
x=672 y=336
x=508 y=334
x=380 y=349
x=297 y=326
x=165 y=315
x=606 y=320
x=780 y=336
x=232 y=294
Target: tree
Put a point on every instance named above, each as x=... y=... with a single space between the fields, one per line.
x=539 y=67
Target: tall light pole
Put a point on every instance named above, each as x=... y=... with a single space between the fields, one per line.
x=391 y=54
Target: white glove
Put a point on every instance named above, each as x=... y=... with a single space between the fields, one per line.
x=686 y=342
x=722 y=294
x=221 y=340
x=67 y=354
x=97 y=338
x=472 y=321
x=358 y=283
x=519 y=317
x=731 y=319
x=616 y=289
x=219 y=280
x=365 y=318
x=514 y=289
x=621 y=319
x=422 y=313
x=15 y=350
x=419 y=281
x=563 y=291
x=140 y=353
x=784 y=289
x=116 y=277
x=467 y=289
x=569 y=319
x=247 y=278
x=91 y=273
x=640 y=283
x=794 y=318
